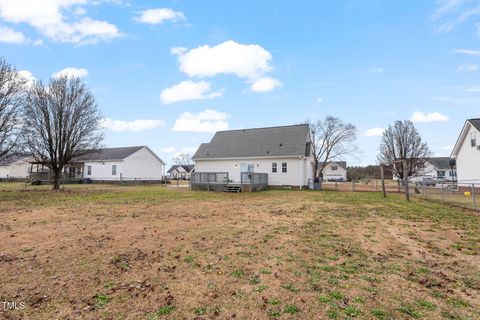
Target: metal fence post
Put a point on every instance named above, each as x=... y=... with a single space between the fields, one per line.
x=353 y=185
x=336 y=186
x=473 y=197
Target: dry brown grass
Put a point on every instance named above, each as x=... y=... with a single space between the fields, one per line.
x=150 y=252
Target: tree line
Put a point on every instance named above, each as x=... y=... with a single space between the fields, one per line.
x=54 y=122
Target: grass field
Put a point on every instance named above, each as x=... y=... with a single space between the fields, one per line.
x=151 y=252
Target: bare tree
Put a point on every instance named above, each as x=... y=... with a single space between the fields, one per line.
x=331 y=140
x=183 y=158
x=62 y=122
x=12 y=97
x=401 y=141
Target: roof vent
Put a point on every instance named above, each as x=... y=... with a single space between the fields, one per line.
x=281 y=144
x=268 y=152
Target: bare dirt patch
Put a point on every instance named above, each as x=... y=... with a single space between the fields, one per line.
x=155 y=253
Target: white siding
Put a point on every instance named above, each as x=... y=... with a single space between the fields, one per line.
x=142 y=165
x=328 y=173
x=468 y=160
x=17 y=169
x=297 y=170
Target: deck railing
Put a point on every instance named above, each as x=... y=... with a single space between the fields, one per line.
x=252 y=181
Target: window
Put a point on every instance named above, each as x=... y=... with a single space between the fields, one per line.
x=89 y=170
x=274 y=167
x=114 y=169
x=284 y=167
x=334 y=168
x=246 y=167
x=441 y=173
x=473 y=140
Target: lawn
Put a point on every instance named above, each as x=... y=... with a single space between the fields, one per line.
x=152 y=252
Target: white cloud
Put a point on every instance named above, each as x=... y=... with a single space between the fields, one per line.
x=245 y=61
x=444 y=7
x=157 y=16
x=178 y=50
x=132 y=126
x=188 y=90
x=419 y=116
x=27 y=75
x=375 y=70
x=55 y=19
x=265 y=84
x=468 y=67
x=168 y=150
x=319 y=99
x=469 y=52
x=373 y=132
x=206 y=121
x=71 y=72
x=8 y=35
x=451 y=13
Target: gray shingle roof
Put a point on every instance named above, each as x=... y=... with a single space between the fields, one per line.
x=475 y=123
x=109 y=154
x=186 y=167
x=259 y=142
x=342 y=164
x=440 y=162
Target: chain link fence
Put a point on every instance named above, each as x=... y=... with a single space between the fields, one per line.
x=461 y=193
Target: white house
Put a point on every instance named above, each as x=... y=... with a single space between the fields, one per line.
x=437 y=168
x=15 y=167
x=335 y=171
x=112 y=164
x=467 y=153
x=281 y=152
x=183 y=171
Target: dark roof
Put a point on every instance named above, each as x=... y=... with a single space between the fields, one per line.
x=13 y=158
x=186 y=167
x=259 y=142
x=475 y=123
x=108 y=154
x=342 y=164
x=440 y=162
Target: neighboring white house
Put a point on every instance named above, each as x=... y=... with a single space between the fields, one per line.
x=335 y=171
x=15 y=167
x=467 y=153
x=181 y=171
x=437 y=168
x=281 y=152
x=111 y=164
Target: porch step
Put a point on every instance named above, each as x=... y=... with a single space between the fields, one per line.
x=232 y=189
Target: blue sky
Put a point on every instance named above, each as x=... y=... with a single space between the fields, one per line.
x=167 y=74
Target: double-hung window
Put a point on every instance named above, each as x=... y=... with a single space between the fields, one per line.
x=274 y=167
x=284 y=167
x=114 y=169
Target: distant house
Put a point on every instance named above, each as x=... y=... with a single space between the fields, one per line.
x=16 y=167
x=111 y=164
x=437 y=168
x=467 y=153
x=335 y=171
x=178 y=171
x=281 y=152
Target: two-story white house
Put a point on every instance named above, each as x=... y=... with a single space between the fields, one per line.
x=335 y=171
x=467 y=153
x=284 y=153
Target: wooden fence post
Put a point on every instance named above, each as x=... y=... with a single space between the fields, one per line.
x=382 y=176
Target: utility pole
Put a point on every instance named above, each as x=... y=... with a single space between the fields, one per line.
x=382 y=176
